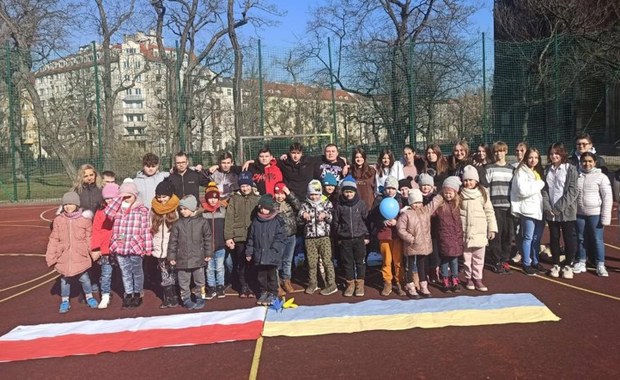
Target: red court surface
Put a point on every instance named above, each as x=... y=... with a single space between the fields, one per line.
x=583 y=344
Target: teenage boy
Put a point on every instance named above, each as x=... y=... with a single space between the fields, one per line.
x=499 y=176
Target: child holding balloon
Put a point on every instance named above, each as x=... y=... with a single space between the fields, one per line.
x=383 y=227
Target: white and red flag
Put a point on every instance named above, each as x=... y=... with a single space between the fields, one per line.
x=130 y=334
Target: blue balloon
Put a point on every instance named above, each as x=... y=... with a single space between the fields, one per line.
x=389 y=208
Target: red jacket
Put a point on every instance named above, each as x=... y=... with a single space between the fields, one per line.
x=266 y=177
x=102 y=233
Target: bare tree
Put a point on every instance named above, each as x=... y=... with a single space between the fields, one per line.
x=36 y=30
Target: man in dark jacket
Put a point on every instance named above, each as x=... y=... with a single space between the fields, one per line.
x=185 y=181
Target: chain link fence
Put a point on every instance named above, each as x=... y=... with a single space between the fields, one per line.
x=57 y=117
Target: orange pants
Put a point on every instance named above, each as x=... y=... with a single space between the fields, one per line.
x=392 y=253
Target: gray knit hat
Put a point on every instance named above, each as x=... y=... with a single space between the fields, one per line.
x=426 y=179
x=71 y=198
x=415 y=196
x=391 y=182
x=452 y=182
x=189 y=202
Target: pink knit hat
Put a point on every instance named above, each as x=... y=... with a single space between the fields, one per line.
x=110 y=190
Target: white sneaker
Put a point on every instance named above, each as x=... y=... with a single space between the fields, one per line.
x=567 y=273
x=579 y=267
x=105 y=301
x=554 y=271
x=601 y=270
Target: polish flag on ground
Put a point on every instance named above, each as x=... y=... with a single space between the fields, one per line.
x=130 y=334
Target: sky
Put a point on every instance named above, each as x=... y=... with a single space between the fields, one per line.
x=294 y=23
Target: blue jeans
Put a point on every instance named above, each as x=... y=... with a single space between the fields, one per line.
x=65 y=286
x=449 y=266
x=215 y=269
x=287 y=257
x=106 y=274
x=590 y=234
x=530 y=245
x=133 y=274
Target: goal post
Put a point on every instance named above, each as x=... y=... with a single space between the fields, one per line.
x=313 y=144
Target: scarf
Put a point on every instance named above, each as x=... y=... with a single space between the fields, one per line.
x=169 y=207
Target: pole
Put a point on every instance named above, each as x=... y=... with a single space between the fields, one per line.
x=411 y=89
x=261 y=99
x=9 y=83
x=180 y=113
x=98 y=103
x=485 y=127
x=331 y=85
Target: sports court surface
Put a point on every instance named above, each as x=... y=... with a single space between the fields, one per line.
x=582 y=344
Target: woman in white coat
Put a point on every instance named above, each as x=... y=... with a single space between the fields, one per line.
x=526 y=202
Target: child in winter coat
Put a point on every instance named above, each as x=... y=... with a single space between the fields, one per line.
x=215 y=213
x=189 y=250
x=265 y=245
x=350 y=216
x=414 y=228
x=163 y=216
x=479 y=226
x=450 y=233
x=287 y=205
x=239 y=213
x=390 y=245
x=68 y=249
x=316 y=216
x=100 y=243
x=131 y=240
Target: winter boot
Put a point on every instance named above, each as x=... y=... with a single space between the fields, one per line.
x=105 y=301
x=399 y=290
x=411 y=292
x=359 y=288
x=127 y=301
x=137 y=300
x=424 y=289
x=387 y=289
x=288 y=287
x=348 y=292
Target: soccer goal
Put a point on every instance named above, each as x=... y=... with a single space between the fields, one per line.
x=313 y=144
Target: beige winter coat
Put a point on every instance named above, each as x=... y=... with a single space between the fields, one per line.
x=478 y=218
x=68 y=250
x=414 y=228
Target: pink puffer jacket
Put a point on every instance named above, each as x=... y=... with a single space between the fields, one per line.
x=68 y=250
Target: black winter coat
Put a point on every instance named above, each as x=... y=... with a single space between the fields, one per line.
x=266 y=240
x=190 y=242
x=350 y=219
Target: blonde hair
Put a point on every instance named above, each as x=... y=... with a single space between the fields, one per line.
x=79 y=178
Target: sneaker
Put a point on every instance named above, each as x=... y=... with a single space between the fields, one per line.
x=199 y=304
x=311 y=288
x=210 y=293
x=601 y=270
x=220 y=292
x=555 y=271
x=262 y=298
x=456 y=286
x=189 y=304
x=469 y=284
x=269 y=299
x=528 y=270
x=329 y=290
x=480 y=286
x=567 y=272
x=92 y=303
x=506 y=267
x=64 y=307
x=579 y=267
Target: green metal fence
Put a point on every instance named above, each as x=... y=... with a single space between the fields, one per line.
x=415 y=93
